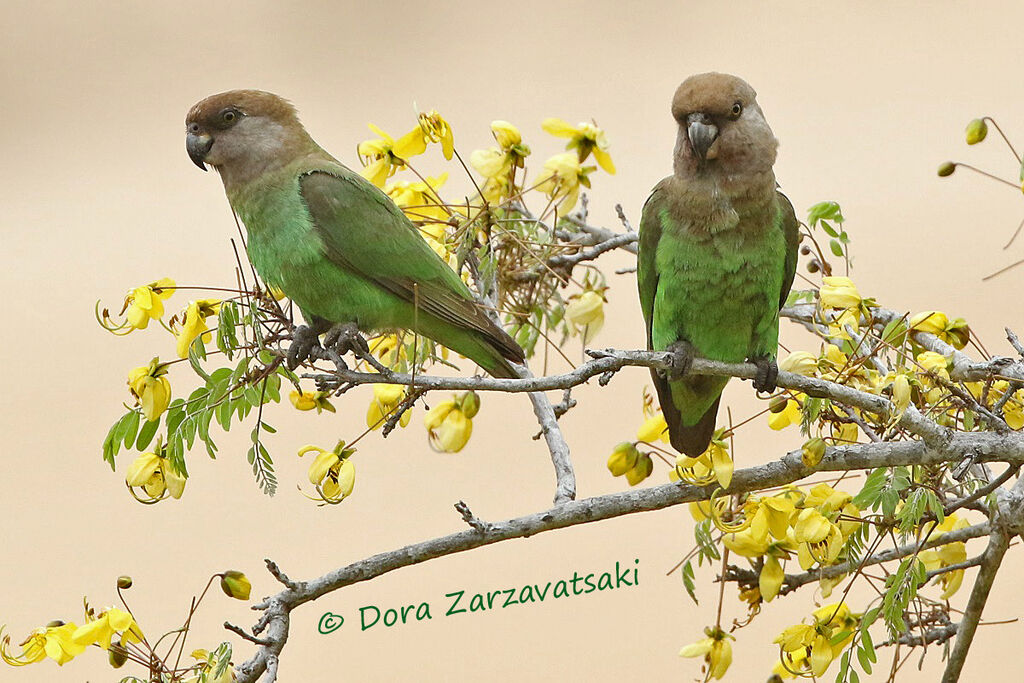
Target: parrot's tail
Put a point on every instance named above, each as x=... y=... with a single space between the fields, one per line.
x=695 y=439
x=691 y=439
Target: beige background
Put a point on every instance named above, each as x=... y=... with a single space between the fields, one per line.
x=98 y=196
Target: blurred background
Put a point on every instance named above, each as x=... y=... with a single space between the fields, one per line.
x=98 y=196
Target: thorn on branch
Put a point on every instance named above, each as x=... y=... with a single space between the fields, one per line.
x=276 y=572
x=239 y=631
x=472 y=520
x=1014 y=341
x=622 y=218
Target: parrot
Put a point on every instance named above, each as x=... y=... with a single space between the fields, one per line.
x=717 y=253
x=334 y=243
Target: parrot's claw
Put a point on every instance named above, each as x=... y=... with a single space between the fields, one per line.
x=305 y=345
x=345 y=337
x=682 y=359
x=767 y=376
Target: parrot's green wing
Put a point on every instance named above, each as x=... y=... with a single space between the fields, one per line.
x=365 y=233
x=791 y=229
x=685 y=438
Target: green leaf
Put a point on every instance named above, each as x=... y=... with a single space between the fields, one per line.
x=227 y=320
x=129 y=427
x=688 y=582
x=836 y=247
x=146 y=434
x=872 y=487
x=196 y=353
x=895 y=332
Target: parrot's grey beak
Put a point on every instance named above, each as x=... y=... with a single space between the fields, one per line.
x=198 y=146
x=702 y=133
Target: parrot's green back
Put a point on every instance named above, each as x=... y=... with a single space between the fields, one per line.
x=343 y=252
x=713 y=274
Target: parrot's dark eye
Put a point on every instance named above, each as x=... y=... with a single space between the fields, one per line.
x=737 y=109
x=193 y=128
x=229 y=116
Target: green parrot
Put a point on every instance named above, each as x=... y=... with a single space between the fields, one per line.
x=332 y=242
x=717 y=253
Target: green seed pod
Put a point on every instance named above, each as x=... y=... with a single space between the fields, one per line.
x=946 y=168
x=470 y=404
x=976 y=131
x=124 y=582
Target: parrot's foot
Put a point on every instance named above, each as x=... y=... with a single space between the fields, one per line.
x=682 y=358
x=345 y=337
x=767 y=374
x=305 y=345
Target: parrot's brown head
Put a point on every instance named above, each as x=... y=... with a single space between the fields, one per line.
x=244 y=132
x=721 y=128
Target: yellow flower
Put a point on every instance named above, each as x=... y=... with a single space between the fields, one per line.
x=378 y=157
x=819 y=540
x=800 y=363
x=53 y=641
x=561 y=180
x=156 y=476
x=586 y=314
x=194 y=324
x=235 y=585
x=491 y=163
x=420 y=202
x=849 y=318
x=745 y=543
x=839 y=292
x=789 y=415
x=770 y=579
x=448 y=425
x=332 y=472
x=774 y=515
x=715 y=649
x=826 y=498
x=145 y=303
x=150 y=388
x=721 y=463
x=506 y=135
x=934 y=363
x=386 y=398
x=388 y=348
x=653 y=429
x=586 y=138
x=431 y=128
x=812 y=641
x=310 y=400
x=102 y=629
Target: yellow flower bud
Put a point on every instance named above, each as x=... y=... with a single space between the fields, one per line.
x=150 y=387
x=124 y=582
x=235 y=585
x=812 y=452
x=839 y=292
x=506 y=134
x=932 y=322
x=641 y=470
x=585 y=308
x=901 y=393
x=800 y=363
x=623 y=459
x=976 y=131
